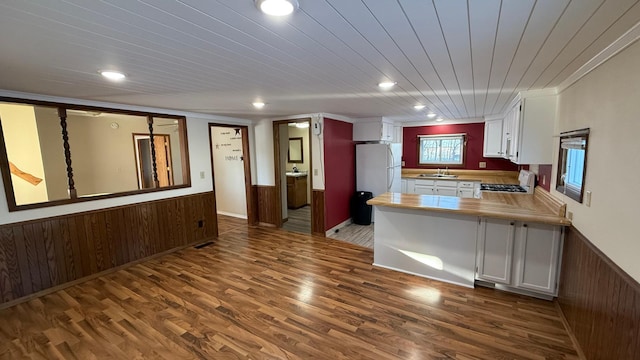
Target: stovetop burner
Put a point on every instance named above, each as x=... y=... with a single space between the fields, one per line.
x=503 y=188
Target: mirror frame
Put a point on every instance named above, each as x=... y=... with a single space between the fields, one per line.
x=295 y=142
x=5 y=171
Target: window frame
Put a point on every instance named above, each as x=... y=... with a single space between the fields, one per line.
x=6 y=173
x=463 y=149
x=569 y=189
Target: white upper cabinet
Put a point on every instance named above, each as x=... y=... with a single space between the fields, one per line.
x=493 y=137
x=528 y=128
x=376 y=129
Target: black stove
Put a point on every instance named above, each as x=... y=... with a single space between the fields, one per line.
x=503 y=188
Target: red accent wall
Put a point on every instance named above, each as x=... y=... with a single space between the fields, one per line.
x=545 y=170
x=339 y=171
x=475 y=143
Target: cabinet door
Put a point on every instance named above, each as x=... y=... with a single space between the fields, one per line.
x=515 y=132
x=506 y=134
x=424 y=190
x=411 y=186
x=493 y=138
x=465 y=193
x=403 y=185
x=495 y=250
x=538 y=249
x=448 y=191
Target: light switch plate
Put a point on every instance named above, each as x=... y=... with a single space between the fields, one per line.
x=201 y=174
x=482 y=165
x=587 y=198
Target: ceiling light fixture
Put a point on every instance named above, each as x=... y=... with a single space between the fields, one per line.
x=431 y=115
x=258 y=104
x=387 y=84
x=302 y=125
x=418 y=107
x=277 y=7
x=439 y=119
x=113 y=75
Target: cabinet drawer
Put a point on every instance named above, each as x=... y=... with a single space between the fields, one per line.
x=425 y=182
x=466 y=184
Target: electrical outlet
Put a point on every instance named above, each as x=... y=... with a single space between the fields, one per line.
x=402 y=162
x=200 y=223
x=569 y=215
x=482 y=165
x=544 y=179
x=587 y=198
x=201 y=174
x=315 y=172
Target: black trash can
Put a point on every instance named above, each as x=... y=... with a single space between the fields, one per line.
x=360 y=211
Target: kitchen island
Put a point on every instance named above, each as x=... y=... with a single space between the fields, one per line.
x=509 y=240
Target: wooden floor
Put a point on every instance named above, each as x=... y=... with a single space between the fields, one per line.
x=299 y=220
x=259 y=293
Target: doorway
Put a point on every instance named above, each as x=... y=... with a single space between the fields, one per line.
x=231 y=172
x=144 y=160
x=293 y=164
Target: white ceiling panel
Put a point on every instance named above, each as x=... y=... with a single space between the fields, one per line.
x=460 y=58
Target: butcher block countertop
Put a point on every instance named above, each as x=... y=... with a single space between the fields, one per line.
x=538 y=207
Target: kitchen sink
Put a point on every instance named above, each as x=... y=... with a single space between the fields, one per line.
x=438 y=176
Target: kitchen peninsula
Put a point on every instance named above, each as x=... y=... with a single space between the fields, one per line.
x=512 y=241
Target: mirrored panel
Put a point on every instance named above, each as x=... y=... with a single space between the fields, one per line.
x=103 y=158
x=35 y=153
x=170 y=159
x=53 y=154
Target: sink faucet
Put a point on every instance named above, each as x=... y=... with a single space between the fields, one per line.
x=295 y=169
x=446 y=170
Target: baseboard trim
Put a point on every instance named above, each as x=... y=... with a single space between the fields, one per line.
x=573 y=338
x=338 y=227
x=239 y=216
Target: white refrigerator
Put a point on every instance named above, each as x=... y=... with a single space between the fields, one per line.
x=378 y=168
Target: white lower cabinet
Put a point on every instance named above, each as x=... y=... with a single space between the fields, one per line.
x=519 y=255
x=495 y=250
x=464 y=189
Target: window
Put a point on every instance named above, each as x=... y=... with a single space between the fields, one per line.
x=441 y=149
x=572 y=162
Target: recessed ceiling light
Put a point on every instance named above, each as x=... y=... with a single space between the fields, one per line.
x=439 y=119
x=418 y=107
x=431 y=115
x=277 y=7
x=258 y=105
x=113 y=75
x=387 y=84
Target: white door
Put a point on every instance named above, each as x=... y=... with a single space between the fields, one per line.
x=228 y=171
x=538 y=250
x=495 y=250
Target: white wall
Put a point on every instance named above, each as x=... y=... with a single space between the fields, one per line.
x=24 y=152
x=607 y=101
x=199 y=159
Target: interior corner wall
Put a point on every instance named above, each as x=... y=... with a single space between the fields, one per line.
x=606 y=101
x=474 y=148
x=265 y=168
x=340 y=174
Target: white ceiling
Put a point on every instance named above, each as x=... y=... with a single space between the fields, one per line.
x=463 y=59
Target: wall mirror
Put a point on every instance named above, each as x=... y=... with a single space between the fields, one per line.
x=52 y=154
x=572 y=163
x=295 y=150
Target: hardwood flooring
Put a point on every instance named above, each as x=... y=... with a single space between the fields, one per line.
x=260 y=293
x=299 y=220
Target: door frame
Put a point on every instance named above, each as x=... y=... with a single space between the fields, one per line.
x=252 y=212
x=276 y=163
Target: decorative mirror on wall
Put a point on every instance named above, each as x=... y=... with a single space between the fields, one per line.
x=295 y=150
x=52 y=153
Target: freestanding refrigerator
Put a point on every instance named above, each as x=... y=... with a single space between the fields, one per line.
x=378 y=167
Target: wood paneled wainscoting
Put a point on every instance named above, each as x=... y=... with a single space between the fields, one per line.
x=317 y=213
x=44 y=253
x=267 y=205
x=599 y=300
